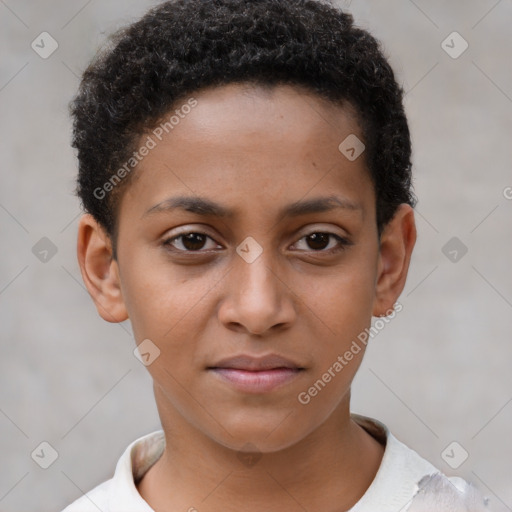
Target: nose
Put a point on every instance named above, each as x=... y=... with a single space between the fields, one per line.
x=258 y=299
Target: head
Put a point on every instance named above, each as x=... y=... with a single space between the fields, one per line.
x=245 y=172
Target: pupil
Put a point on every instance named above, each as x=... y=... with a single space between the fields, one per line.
x=188 y=241
x=323 y=238
x=195 y=241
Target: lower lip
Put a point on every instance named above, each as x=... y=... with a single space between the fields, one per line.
x=257 y=381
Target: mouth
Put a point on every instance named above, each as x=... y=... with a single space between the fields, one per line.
x=256 y=375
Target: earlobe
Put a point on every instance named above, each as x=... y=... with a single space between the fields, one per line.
x=397 y=243
x=99 y=270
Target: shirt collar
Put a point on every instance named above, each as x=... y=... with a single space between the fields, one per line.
x=400 y=470
x=138 y=457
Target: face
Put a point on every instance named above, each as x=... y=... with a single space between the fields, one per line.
x=248 y=233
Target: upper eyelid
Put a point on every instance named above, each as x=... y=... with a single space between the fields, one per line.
x=205 y=231
x=343 y=239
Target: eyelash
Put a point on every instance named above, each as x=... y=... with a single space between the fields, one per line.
x=343 y=242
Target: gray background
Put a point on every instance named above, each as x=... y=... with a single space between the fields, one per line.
x=438 y=373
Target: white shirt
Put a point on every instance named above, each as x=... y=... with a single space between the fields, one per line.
x=395 y=485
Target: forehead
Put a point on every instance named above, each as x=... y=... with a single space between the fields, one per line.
x=289 y=113
x=245 y=146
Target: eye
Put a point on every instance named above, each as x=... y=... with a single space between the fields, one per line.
x=319 y=240
x=190 y=241
x=195 y=241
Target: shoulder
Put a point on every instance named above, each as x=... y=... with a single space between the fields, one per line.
x=96 y=499
x=120 y=492
x=438 y=492
x=406 y=481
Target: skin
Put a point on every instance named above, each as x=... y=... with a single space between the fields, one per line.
x=254 y=151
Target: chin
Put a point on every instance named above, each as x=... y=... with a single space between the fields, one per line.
x=259 y=435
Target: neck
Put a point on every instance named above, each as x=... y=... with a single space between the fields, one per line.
x=330 y=469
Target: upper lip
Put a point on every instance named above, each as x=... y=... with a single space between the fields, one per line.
x=246 y=362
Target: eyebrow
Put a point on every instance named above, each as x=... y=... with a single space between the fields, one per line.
x=208 y=208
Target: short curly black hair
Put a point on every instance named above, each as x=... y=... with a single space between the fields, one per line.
x=182 y=46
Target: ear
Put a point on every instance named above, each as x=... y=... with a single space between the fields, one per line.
x=100 y=271
x=396 y=245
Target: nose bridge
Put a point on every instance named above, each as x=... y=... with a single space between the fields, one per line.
x=257 y=297
x=255 y=272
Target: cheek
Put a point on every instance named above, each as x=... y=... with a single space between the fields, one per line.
x=342 y=302
x=342 y=307
x=162 y=300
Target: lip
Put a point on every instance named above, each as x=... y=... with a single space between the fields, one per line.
x=256 y=374
x=259 y=381
x=246 y=362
